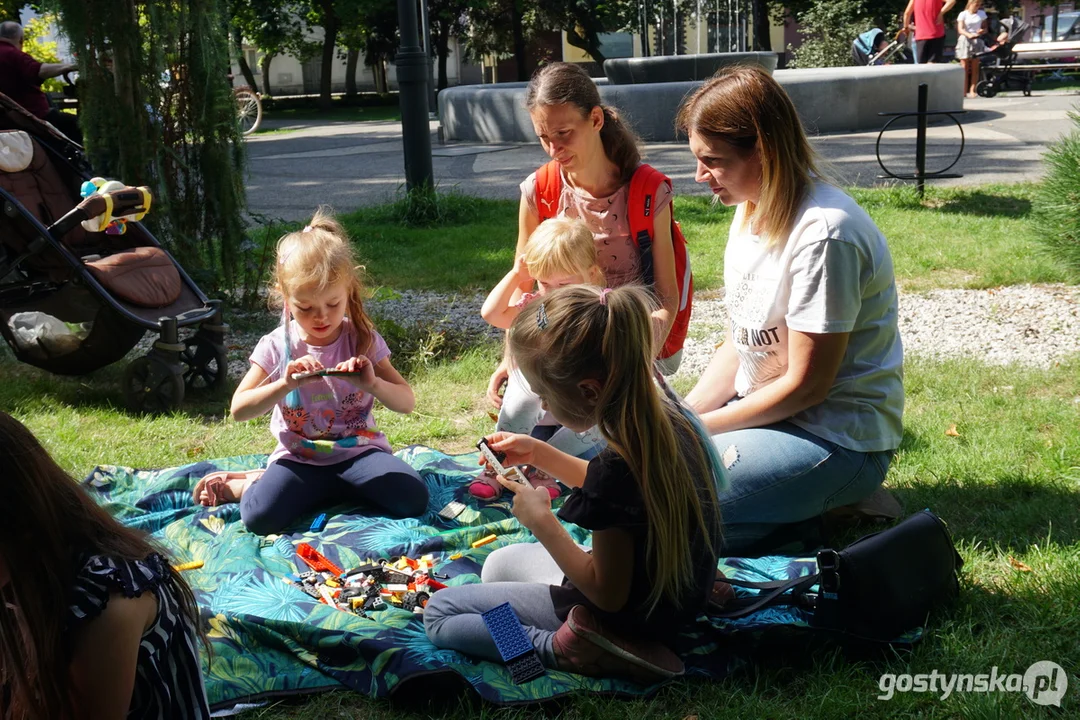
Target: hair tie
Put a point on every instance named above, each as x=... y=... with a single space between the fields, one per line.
x=603 y=296
x=541 y=317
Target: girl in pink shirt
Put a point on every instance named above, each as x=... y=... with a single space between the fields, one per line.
x=328 y=448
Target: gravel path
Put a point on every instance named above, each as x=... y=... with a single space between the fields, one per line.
x=1032 y=325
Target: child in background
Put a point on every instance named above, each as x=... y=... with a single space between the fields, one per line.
x=649 y=498
x=560 y=252
x=94 y=622
x=328 y=449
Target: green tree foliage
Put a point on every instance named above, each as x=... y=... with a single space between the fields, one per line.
x=1057 y=204
x=273 y=27
x=36 y=46
x=447 y=19
x=156 y=109
x=380 y=41
x=9 y=9
x=584 y=20
x=828 y=28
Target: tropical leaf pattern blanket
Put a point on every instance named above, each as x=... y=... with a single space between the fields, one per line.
x=269 y=638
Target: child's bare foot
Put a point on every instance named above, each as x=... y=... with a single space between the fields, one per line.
x=223 y=487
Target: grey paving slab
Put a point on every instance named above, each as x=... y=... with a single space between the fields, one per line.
x=350 y=165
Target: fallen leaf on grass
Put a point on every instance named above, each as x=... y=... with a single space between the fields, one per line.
x=493 y=416
x=952 y=431
x=1018 y=565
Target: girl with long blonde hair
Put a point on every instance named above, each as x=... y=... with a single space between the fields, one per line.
x=649 y=499
x=328 y=448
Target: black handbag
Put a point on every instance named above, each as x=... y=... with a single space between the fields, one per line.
x=878 y=588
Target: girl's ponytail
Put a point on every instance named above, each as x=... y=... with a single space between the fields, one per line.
x=620 y=143
x=607 y=336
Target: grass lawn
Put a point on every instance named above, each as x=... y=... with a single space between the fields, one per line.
x=338 y=113
x=1008 y=481
x=966 y=238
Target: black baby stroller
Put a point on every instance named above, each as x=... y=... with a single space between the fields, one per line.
x=997 y=65
x=74 y=300
x=871 y=48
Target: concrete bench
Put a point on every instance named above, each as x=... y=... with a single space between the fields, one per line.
x=679 y=68
x=844 y=99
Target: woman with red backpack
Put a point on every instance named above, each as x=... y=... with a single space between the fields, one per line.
x=596 y=175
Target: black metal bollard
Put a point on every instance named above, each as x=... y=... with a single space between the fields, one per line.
x=412 y=75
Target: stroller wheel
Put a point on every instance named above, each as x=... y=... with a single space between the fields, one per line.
x=205 y=364
x=152 y=385
x=985 y=89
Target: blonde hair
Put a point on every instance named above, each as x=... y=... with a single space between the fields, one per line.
x=316 y=258
x=973 y=5
x=744 y=106
x=561 y=246
x=607 y=336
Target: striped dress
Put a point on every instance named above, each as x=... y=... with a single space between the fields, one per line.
x=168 y=677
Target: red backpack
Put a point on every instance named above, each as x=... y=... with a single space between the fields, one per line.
x=643 y=188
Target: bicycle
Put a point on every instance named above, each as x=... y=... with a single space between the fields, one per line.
x=249 y=110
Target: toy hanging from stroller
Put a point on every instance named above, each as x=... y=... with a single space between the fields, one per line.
x=873 y=48
x=82 y=282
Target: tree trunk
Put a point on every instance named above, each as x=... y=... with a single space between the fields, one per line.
x=350 y=72
x=245 y=69
x=592 y=48
x=264 y=65
x=379 y=70
x=330 y=25
x=518 y=26
x=762 y=39
x=442 y=52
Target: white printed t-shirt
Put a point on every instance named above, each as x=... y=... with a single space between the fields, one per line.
x=834 y=275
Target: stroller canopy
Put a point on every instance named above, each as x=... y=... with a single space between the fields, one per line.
x=869 y=40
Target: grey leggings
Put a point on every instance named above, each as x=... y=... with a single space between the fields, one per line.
x=518 y=574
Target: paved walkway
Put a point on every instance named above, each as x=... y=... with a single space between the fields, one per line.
x=349 y=165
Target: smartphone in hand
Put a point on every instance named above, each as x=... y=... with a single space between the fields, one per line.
x=325 y=372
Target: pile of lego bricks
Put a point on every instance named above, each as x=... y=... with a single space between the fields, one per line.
x=401 y=582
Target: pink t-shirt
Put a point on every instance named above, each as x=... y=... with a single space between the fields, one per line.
x=607 y=218
x=334 y=421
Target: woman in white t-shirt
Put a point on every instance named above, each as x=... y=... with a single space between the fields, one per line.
x=970 y=29
x=804 y=398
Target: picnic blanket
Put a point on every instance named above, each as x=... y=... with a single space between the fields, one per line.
x=269 y=638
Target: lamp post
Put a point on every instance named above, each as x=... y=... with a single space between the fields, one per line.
x=412 y=75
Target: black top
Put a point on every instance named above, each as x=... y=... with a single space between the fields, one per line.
x=610 y=497
x=168 y=677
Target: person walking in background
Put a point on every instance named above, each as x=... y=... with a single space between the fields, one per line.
x=21 y=77
x=929 y=21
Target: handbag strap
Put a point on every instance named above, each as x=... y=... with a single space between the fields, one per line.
x=777 y=588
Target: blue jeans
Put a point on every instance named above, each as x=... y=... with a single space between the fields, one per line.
x=290 y=489
x=781 y=474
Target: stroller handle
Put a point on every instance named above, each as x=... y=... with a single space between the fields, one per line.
x=124 y=201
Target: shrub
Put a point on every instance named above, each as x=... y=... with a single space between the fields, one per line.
x=828 y=29
x=1057 y=202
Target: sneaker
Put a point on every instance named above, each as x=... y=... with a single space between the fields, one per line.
x=485 y=486
x=539 y=478
x=583 y=646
